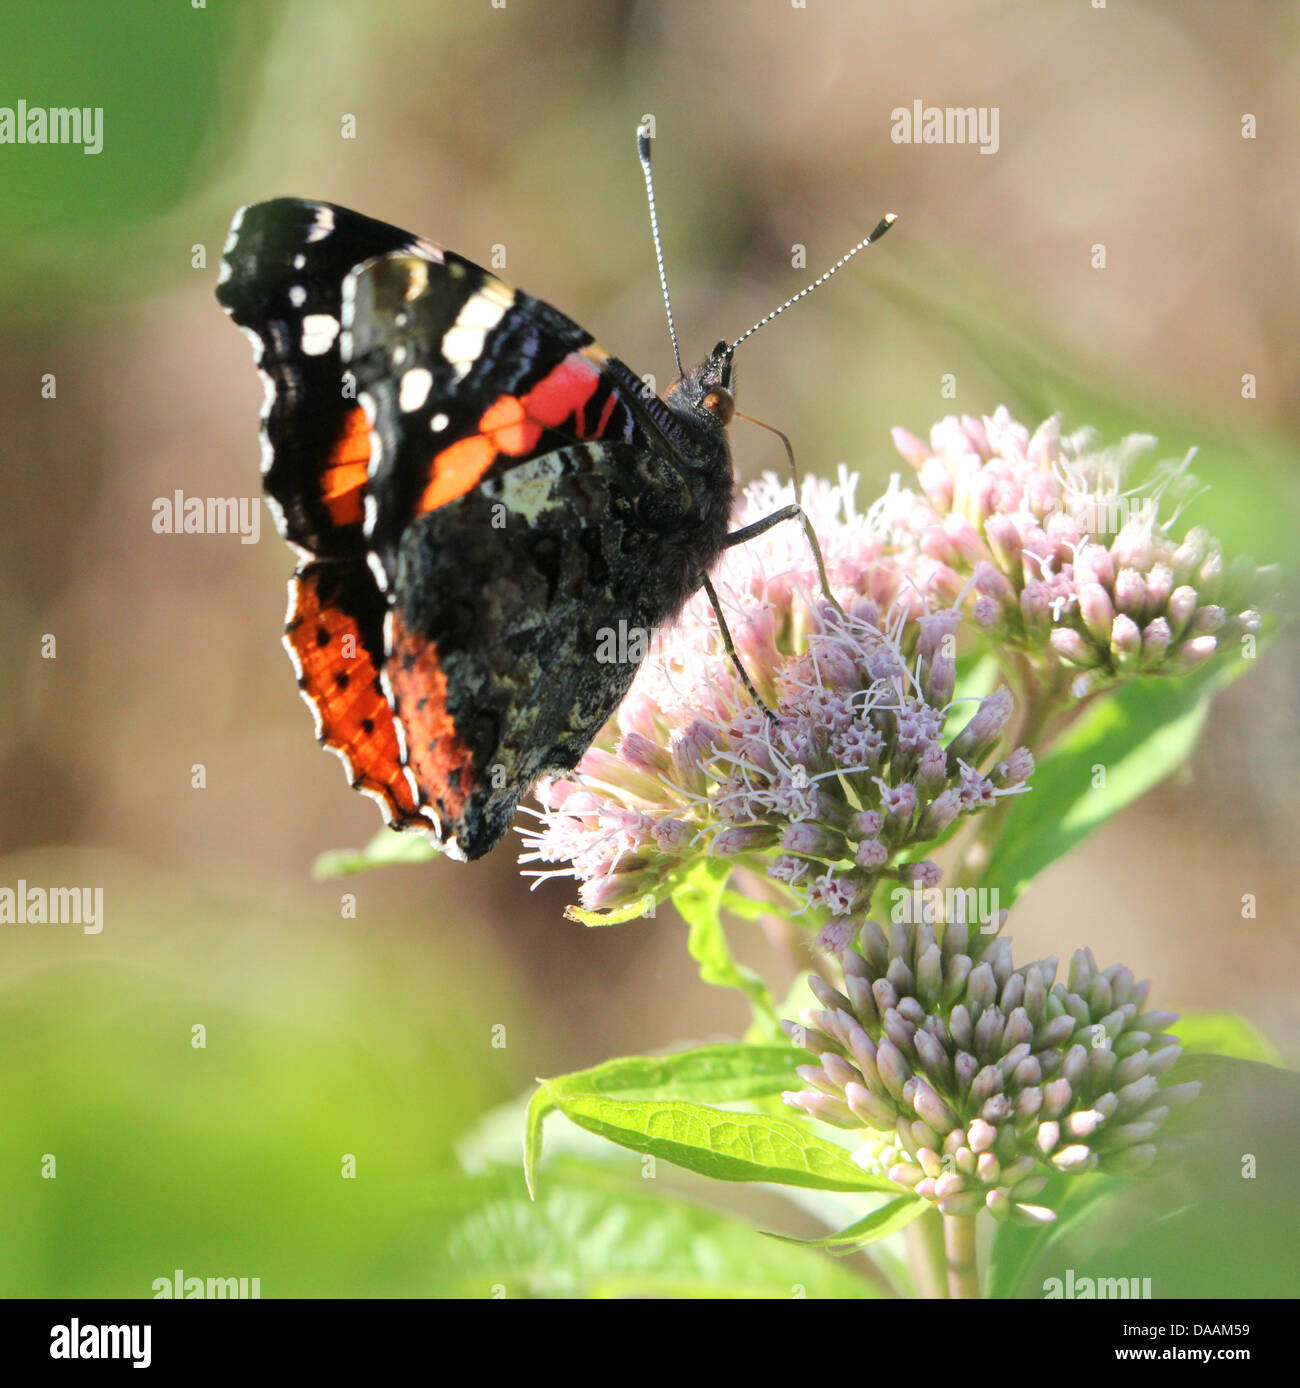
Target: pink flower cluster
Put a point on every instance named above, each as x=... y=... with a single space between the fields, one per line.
x=1037 y=537
x=1059 y=558
x=857 y=773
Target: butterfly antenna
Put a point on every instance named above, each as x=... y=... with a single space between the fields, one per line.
x=882 y=227
x=643 y=153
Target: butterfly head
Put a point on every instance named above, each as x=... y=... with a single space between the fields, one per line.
x=706 y=393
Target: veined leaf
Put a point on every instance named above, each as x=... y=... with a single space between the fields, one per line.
x=724 y=1073
x=723 y=1146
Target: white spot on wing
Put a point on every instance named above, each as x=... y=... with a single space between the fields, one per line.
x=297 y=295
x=484 y=309
x=414 y=391
x=318 y=333
x=462 y=347
x=233 y=236
x=439 y=422
x=277 y=514
x=322 y=226
x=462 y=343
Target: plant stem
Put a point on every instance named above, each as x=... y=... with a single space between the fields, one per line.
x=926 y=1255
x=959 y=1248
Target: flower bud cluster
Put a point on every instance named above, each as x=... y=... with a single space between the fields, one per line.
x=972 y=1081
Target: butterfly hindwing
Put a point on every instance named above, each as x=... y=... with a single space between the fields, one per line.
x=334 y=636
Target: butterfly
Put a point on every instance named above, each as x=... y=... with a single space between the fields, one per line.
x=479 y=496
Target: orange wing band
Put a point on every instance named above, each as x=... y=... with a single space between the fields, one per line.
x=512 y=425
x=342 y=481
x=442 y=761
x=339 y=680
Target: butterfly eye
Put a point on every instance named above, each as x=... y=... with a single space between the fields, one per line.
x=720 y=404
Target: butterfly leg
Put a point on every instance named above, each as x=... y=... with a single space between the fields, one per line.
x=752 y=532
x=730 y=648
x=793 y=512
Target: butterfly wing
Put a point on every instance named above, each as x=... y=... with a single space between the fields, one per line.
x=483 y=485
x=334 y=635
x=281 y=280
x=468 y=378
x=525 y=498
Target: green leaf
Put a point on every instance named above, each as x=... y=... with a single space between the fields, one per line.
x=1216 y=1217
x=1016 y=1248
x=1140 y=733
x=1225 y=1034
x=699 y=898
x=596 y=1233
x=892 y=1216
x=387 y=849
x=723 y=1146
x=729 y=1072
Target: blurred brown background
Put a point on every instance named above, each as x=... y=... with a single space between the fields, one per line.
x=479 y=126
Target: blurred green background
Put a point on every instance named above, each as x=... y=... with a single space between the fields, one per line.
x=366 y=1027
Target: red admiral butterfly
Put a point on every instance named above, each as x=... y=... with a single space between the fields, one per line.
x=477 y=490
